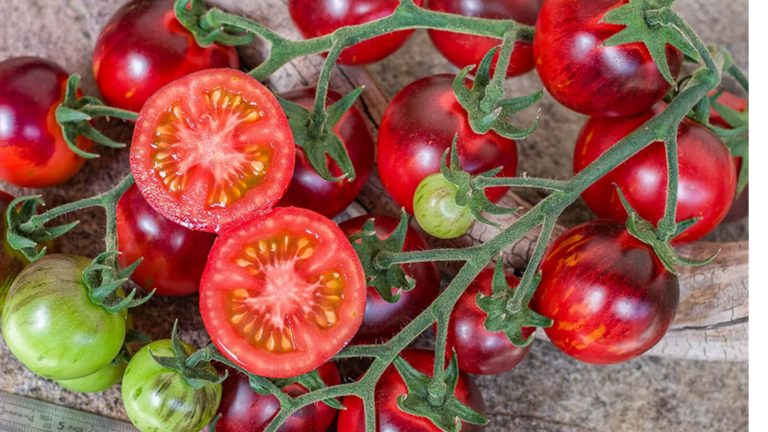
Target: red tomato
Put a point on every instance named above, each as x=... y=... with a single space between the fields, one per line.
x=482 y=351
x=283 y=293
x=463 y=50
x=391 y=387
x=419 y=125
x=244 y=410
x=382 y=319
x=321 y=17
x=174 y=256
x=33 y=152
x=212 y=149
x=707 y=174
x=143 y=47
x=587 y=76
x=610 y=297
x=740 y=206
x=307 y=188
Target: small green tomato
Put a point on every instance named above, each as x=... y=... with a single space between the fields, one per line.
x=98 y=381
x=436 y=211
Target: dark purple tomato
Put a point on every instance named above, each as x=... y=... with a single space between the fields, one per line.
x=11 y=262
x=307 y=188
x=33 y=152
x=391 y=387
x=244 y=410
x=419 y=125
x=174 y=256
x=143 y=47
x=382 y=319
x=707 y=174
x=320 y=17
x=463 y=50
x=587 y=76
x=610 y=297
x=482 y=351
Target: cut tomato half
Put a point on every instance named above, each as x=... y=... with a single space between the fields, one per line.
x=283 y=293
x=212 y=149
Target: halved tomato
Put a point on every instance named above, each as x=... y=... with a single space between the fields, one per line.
x=212 y=149
x=283 y=293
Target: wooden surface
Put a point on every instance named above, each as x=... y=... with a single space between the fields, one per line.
x=548 y=391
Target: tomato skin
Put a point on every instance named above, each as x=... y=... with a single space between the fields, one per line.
x=33 y=152
x=320 y=17
x=244 y=410
x=463 y=50
x=610 y=297
x=307 y=188
x=11 y=262
x=97 y=382
x=419 y=125
x=52 y=327
x=143 y=47
x=157 y=399
x=382 y=319
x=482 y=351
x=588 y=77
x=436 y=211
x=174 y=256
x=707 y=174
x=391 y=386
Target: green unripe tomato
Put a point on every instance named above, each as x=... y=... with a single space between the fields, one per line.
x=436 y=211
x=98 y=381
x=51 y=325
x=158 y=399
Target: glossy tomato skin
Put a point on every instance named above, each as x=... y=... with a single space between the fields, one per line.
x=158 y=399
x=97 y=382
x=482 y=351
x=11 y=262
x=610 y=297
x=419 y=125
x=33 y=152
x=174 y=256
x=382 y=319
x=244 y=410
x=320 y=17
x=143 y=47
x=307 y=188
x=707 y=174
x=588 y=77
x=391 y=386
x=463 y=50
x=52 y=327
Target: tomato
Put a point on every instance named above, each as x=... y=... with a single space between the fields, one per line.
x=482 y=351
x=11 y=262
x=33 y=152
x=174 y=256
x=419 y=125
x=98 y=381
x=320 y=17
x=610 y=297
x=244 y=410
x=143 y=47
x=212 y=150
x=463 y=50
x=707 y=174
x=436 y=211
x=311 y=191
x=740 y=206
x=391 y=387
x=158 y=399
x=587 y=76
x=283 y=293
x=51 y=325
x=382 y=319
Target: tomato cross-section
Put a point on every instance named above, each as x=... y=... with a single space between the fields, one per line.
x=283 y=293
x=212 y=149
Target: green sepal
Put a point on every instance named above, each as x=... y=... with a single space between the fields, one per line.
x=25 y=236
x=369 y=246
x=310 y=381
x=320 y=141
x=214 y=422
x=650 y=22
x=736 y=138
x=435 y=400
x=194 y=16
x=507 y=310
x=104 y=280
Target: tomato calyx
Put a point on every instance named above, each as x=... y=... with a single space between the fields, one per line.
x=433 y=398
x=197 y=374
x=104 y=281
x=24 y=234
x=735 y=137
x=202 y=22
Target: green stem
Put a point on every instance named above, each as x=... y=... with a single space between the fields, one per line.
x=536 y=183
x=108 y=111
x=437 y=388
x=387 y=259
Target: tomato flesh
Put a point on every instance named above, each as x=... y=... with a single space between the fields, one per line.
x=212 y=149
x=283 y=293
